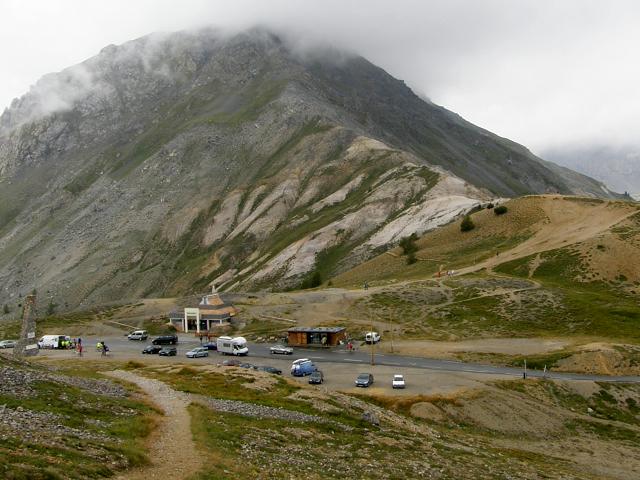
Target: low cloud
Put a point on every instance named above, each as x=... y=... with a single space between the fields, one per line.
x=545 y=74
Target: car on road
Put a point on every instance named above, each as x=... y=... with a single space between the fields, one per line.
x=249 y=366
x=316 y=377
x=165 y=340
x=364 y=380
x=281 y=349
x=398 y=381
x=268 y=369
x=198 y=352
x=138 y=335
x=8 y=343
x=231 y=363
x=168 y=352
x=372 y=337
x=152 y=349
x=211 y=345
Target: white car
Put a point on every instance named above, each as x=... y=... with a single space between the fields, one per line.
x=398 y=381
x=198 y=352
x=138 y=335
x=281 y=349
x=8 y=343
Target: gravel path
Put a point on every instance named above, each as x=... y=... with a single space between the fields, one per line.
x=172 y=449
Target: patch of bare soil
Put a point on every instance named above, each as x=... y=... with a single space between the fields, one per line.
x=171 y=446
x=603 y=359
x=568 y=221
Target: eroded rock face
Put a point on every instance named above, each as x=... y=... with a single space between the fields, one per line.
x=125 y=175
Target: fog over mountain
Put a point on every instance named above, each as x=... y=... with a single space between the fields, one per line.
x=617 y=167
x=545 y=74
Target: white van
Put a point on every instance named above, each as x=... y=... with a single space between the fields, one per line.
x=372 y=337
x=52 y=341
x=138 y=335
x=232 y=346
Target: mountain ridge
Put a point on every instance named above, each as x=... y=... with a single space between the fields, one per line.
x=176 y=161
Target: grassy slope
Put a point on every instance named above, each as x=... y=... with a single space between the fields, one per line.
x=573 y=291
x=455 y=442
x=125 y=422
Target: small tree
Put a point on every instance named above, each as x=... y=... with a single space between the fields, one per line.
x=411 y=258
x=500 y=210
x=467 y=224
x=312 y=281
x=408 y=244
x=51 y=308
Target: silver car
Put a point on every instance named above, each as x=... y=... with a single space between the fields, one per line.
x=8 y=343
x=198 y=352
x=281 y=349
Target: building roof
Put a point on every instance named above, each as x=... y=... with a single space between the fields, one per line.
x=208 y=315
x=316 y=329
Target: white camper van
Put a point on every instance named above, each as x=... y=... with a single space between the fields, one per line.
x=232 y=346
x=52 y=341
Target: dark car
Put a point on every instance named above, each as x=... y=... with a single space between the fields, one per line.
x=152 y=349
x=316 y=377
x=268 y=369
x=211 y=346
x=231 y=363
x=248 y=365
x=168 y=352
x=165 y=340
x=364 y=380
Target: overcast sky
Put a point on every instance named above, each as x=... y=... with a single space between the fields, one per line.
x=544 y=73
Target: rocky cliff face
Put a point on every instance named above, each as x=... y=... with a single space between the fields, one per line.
x=174 y=161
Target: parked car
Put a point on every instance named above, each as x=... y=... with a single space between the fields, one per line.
x=302 y=367
x=268 y=369
x=152 y=349
x=398 y=381
x=168 y=352
x=138 y=335
x=372 y=337
x=198 y=352
x=281 y=349
x=8 y=343
x=165 y=340
x=316 y=377
x=364 y=380
x=248 y=365
x=210 y=345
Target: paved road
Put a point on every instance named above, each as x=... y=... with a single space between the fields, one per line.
x=363 y=357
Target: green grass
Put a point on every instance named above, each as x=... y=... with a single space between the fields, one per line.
x=125 y=422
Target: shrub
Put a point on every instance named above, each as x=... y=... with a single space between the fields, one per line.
x=312 y=281
x=490 y=206
x=408 y=244
x=411 y=258
x=500 y=210
x=467 y=224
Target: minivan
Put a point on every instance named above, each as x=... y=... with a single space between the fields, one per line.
x=302 y=367
x=138 y=335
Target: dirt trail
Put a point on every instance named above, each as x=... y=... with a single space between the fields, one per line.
x=568 y=222
x=172 y=449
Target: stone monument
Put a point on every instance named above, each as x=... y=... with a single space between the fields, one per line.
x=27 y=345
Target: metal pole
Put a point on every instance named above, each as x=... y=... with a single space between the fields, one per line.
x=372 y=342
